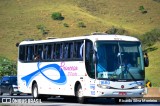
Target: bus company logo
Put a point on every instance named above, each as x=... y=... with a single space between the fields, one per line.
x=68 y=68
x=20 y=101
x=93 y=93
x=105 y=82
x=71 y=70
x=122 y=86
x=61 y=80
x=6 y=100
x=92 y=86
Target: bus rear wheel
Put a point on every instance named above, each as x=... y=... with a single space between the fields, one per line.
x=79 y=95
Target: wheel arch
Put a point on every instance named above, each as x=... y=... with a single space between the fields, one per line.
x=34 y=82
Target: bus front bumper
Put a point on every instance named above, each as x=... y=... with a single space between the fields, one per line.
x=118 y=93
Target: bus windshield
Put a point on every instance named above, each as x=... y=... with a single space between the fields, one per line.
x=119 y=60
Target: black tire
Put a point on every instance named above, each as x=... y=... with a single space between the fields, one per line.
x=80 y=98
x=10 y=91
x=35 y=91
x=1 y=93
x=36 y=95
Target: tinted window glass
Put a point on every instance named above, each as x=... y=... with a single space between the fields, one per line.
x=22 y=53
x=5 y=79
x=56 y=51
x=14 y=80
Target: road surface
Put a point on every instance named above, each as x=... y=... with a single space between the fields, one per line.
x=24 y=100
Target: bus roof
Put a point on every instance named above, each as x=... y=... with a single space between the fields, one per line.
x=93 y=38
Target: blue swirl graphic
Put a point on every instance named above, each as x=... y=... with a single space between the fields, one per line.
x=61 y=80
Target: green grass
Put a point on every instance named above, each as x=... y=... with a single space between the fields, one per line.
x=19 y=20
x=153 y=71
x=125 y=14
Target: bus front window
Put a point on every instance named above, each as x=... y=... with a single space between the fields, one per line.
x=119 y=60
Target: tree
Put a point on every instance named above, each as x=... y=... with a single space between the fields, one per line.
x=7 y=67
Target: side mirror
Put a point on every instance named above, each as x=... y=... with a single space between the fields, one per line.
x=146 y=60
x=17 y=44
x=95 y=58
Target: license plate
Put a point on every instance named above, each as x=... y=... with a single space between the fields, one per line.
x=122 y=93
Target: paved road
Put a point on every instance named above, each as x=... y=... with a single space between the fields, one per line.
x=24 y=100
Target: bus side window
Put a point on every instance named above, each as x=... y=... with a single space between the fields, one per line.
x=77 y=47
x=36 y=52
x=74 y=49
x=57 y=51
x=70 y=51
x=29 y=53
x=52 y=51
x=61 y=51
x=47 y=52
x=40 y=51
x=22 y=53
x=65 y=50
x=79 y=51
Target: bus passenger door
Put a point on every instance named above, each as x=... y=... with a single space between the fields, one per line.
x=89 y=59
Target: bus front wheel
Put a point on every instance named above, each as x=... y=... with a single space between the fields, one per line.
x=79 y=94
x=35 y=91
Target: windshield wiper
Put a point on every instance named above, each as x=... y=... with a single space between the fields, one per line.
x=131 y=75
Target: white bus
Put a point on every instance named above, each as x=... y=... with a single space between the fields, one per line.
x=97 y=65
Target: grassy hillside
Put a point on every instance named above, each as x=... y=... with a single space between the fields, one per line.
x=19 y=20
x=153 y=71
x=125 y=14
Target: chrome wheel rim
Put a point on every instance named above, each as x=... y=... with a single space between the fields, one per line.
x=35 y=92
x=80 y=92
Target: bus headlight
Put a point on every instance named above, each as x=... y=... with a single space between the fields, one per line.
x=103 y=86
x=139 y=87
